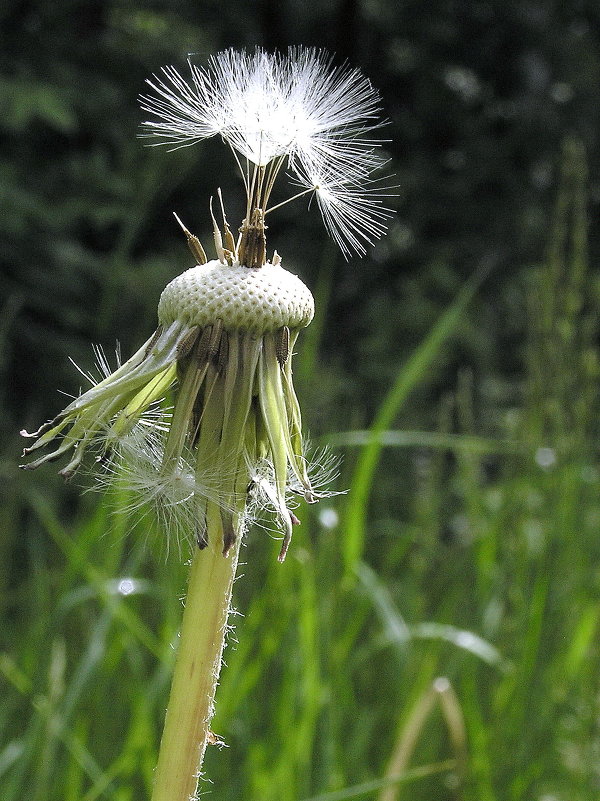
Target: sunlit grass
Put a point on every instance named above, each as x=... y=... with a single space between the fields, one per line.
x=448 y=650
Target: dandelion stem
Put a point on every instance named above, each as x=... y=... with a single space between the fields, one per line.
x=191 y=703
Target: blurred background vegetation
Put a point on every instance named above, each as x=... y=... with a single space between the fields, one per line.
x=438 y=623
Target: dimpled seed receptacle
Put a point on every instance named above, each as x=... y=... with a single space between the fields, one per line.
x=257 y=299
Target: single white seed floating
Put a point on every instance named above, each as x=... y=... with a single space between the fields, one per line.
x=258 y=299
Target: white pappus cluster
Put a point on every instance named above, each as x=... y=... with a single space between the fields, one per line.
x=295 y=110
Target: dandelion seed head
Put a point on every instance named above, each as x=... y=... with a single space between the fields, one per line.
x=230 y=447
x=262 y=300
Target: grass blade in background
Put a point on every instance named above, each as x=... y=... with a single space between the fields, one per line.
x=489 y=577
x=409 y=375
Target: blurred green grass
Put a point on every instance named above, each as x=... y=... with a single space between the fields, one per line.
x=452 y=641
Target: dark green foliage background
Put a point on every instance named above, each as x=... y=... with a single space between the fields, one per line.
x=480 y=98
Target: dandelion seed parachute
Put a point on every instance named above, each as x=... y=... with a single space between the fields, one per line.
x=295 y=108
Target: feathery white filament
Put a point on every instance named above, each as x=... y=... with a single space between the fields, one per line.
x=298 y=107
x=353 y=211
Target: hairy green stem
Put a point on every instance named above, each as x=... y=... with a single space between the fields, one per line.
x=191 y=703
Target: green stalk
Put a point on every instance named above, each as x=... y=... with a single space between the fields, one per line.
x=191 y=703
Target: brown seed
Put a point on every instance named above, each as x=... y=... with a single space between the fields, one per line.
x=184 y=347
x=193 y=242
x=209 y=343
x=223 y=353
x=215 y=339
x=153 y=340
x=282 y=345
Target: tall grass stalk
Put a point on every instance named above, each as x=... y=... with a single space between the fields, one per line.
x=442 y=693
x=409 y=375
